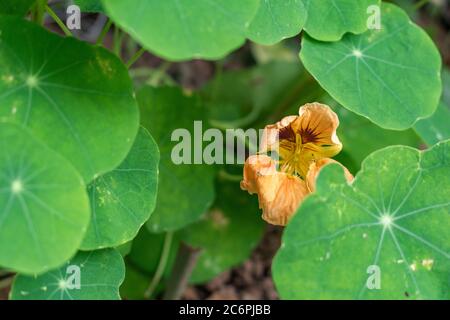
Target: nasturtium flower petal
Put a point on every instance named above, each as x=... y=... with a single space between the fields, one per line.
x=304 y=144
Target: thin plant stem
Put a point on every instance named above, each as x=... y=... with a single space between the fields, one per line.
x=184 y=265
x=39 y=11
x=135 y=57
x=118 y=37
x=161 y=266
x=104 y=32
x=420 y=4
x=58 y=21
x=158 y=73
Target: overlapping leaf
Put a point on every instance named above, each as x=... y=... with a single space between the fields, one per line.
x=276 y=20
x=75 y=97
x=181 y=30
x=380 y=74
x=91 y=275
x=329 y=20
x=226 y=237
x=360 y=137
x=123 y=199
x=185 y=190
x=385 y=236
x=40 y=227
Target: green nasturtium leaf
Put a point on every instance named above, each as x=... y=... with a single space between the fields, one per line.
x=89 y=5
x=435 y=128
x=391 y=76
x=329 y=20
x=276 y=20
x=226 y=236
x=100 y=274
x=15 y=7
x=44 y=208
x=124 y=249
x=185 y=191
x=228 y=233
x=76 y=98
x=123 y=199
x=384 y=236
x=182 y=30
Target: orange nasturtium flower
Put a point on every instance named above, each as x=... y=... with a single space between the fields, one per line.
x=304 y=144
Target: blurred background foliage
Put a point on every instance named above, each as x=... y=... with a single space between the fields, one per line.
x=250 y=88
x=254 y=86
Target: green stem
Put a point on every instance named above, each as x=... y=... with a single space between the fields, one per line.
x=118 y=37
x=184 y=265
x=158 y=73
x=135 y=57
x=161 y=266
x=420 y=4
x=39 y=11
x=58 y=21
x=104 y=32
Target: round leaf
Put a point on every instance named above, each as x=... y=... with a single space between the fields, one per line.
x=228 y=233
x=226 y=236
x=67 y=92
x=328 y=20
x=391 y=76
x=44 y=208
x=185 y=191
x=385 y=236
x=100 y=273
x=191 y=29
x=123 y=200
x=276 y=20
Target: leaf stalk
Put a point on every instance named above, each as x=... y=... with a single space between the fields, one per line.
x=58 y=21
x=184 y=265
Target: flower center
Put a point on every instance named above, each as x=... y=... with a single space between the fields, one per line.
x=290 y=164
